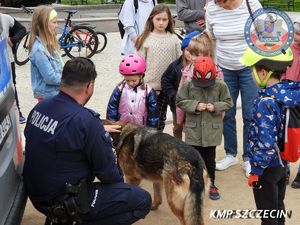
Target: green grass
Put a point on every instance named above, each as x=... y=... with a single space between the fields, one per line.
x=96 y=2
x=296 y=2
x=90 y=2
x=297 y=6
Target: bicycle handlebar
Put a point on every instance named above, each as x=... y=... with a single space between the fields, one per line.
x=25 y=9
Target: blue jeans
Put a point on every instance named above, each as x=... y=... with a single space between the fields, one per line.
x=238 y=81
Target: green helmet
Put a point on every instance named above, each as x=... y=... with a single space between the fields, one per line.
x=274 y=63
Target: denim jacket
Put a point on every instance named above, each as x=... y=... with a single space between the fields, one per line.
x=46 y=70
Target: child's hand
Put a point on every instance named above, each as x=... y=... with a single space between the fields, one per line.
x=134 y=39
x=253 y=181
x=201 y=107
x=210 y=107
x=200 y=22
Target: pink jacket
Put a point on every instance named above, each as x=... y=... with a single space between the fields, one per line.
x=187 y=73
x=132 y=106
x=293 y=72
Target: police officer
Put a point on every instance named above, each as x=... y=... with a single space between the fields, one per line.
x=67 y=143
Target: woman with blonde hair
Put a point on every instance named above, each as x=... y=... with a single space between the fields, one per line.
x=46 y=63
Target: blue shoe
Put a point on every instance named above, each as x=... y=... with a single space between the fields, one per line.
x=22 y=119
x=213 y=193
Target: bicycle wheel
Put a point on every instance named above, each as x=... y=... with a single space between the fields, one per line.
x=180 y=33
x=80 y=41
x=102 y=41
x=22 y=50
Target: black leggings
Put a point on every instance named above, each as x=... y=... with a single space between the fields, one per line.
x=162 y=106
x=272 y=193
x=209 y=156
x=13 y=71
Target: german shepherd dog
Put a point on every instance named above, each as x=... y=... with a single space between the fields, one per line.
x=145 y=153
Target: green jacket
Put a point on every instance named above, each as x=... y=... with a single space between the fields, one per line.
x=204 y=128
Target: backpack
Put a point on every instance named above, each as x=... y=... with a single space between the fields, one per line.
x=120 y=24
x=291 y=152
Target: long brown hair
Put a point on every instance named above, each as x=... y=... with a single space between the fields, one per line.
x=40 y=22
x=202 y=44
x=159 y=8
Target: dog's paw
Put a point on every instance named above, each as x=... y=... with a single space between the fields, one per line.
x=155 y=205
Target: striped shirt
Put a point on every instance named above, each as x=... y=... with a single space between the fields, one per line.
x=227 y=27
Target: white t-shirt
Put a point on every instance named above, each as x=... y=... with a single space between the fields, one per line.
x=6 y=22
x=134 y=23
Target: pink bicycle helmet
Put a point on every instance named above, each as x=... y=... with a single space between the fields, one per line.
x=132 y=64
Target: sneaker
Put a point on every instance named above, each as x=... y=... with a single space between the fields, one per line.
x=228 y=161
x=22 y=119
x=296 y=182
x=247 y=168
x=213 y=193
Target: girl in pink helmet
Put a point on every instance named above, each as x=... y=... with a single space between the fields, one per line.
x=132 y=100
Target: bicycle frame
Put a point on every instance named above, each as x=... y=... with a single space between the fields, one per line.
x=65 y=31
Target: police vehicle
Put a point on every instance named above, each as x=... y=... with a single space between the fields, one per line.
x=12 y=194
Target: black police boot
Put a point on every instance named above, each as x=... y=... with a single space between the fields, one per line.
x=296 y=182
x=49 y=222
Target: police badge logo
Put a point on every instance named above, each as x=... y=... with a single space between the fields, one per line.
x=269 y=31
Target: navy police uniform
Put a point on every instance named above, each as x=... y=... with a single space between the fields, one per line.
x=66 y=142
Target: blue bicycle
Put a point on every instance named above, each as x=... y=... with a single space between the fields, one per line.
x=75 y=40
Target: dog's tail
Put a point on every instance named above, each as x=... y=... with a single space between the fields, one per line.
x=193 y=214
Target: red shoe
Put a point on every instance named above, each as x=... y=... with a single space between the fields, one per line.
x=213 y=193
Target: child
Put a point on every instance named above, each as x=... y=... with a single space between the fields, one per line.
x=203 y=98
x=159 y=46
x=200 y=45
x=268 y=176
x=293 y=73
x=46 y=63
x=13 y=31
x=132 y=100
x=203 y=45
x=171 y=78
